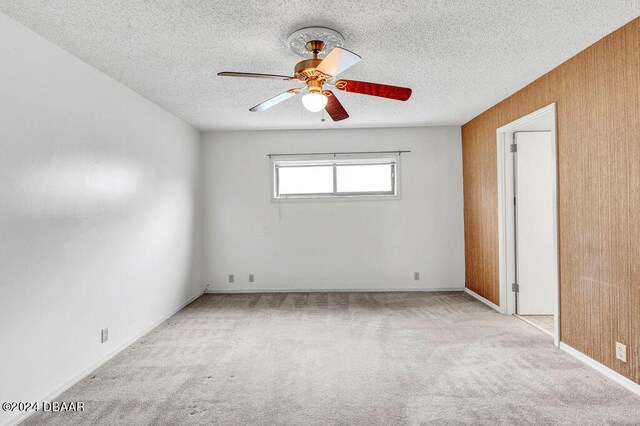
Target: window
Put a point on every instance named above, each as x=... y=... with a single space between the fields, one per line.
x=335 y=177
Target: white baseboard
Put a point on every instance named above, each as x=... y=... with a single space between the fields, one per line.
x=483 y=300
x=331 y=290
x=602 y=369
x=85 y=372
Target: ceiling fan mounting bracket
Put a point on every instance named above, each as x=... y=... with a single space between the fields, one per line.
x=299 y=39
x=315 y=46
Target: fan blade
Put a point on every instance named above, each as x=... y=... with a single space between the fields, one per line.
x=275 y=100
x=334 y=108
x=255 y=75
x=336 y=61
x=374 y=89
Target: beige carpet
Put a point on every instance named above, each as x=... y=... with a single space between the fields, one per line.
x=359 y=358
x=545 y=322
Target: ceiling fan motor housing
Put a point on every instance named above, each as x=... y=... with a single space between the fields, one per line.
x=306 y=69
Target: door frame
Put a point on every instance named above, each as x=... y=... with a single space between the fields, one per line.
x=505 y=212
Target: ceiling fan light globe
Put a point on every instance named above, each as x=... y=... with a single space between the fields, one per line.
x=314 y=102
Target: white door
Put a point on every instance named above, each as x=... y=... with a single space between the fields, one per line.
x=536 y=270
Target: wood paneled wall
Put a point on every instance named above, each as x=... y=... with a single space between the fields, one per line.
x=598 y=107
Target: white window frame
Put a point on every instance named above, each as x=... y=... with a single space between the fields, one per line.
x=278 y=162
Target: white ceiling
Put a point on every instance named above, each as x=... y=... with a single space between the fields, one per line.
x=460 y=57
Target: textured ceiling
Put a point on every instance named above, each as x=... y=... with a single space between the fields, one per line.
x=459 y=56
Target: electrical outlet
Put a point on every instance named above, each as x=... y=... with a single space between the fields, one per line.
x=231 y=278
x=416 y=276
x=621 y=352
x=104 y=335
x=251 y=278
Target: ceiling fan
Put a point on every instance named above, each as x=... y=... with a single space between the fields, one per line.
x=317 y=73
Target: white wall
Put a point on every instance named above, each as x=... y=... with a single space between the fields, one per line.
x=98 y=215
x=333 y=245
